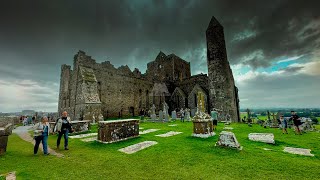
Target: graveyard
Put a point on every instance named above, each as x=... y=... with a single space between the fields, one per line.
x=173 y=156
x=160 y=90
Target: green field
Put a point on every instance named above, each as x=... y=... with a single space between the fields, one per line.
x=176 y=157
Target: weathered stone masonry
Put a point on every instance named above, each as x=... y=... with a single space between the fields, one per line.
x=91 y=89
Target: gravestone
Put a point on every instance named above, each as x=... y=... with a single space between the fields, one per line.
x=165 y=112
x=228 y=139
x=299 y=151
x=160 y=115
x=153 y=113
x=173 y=115
x=79 y=136
x=202 y=123
x=148 y=131
x=193 y=111
x=117 y=130
x=262 y=137
x=137 y=147
x=168 y=134
x=306 y=125
x=187 y=116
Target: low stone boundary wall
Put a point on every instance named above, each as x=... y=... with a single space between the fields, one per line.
x=4 y=133
x=8 y=120
x=117 y=130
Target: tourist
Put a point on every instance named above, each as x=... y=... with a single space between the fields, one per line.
x=296 y=121
x=25 y=121
x=182 y=115
x=29 y=120
x=33 y=120
x=63 y=127
x=284 y=124
x=214 y=116
x=41 y=133
x=142 y=114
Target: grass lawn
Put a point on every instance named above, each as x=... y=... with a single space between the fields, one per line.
x=176 y=157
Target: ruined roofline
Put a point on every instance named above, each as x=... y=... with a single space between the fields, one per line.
x=125 y=70
x=167 y=57
x=197 y=75
x=173 y=55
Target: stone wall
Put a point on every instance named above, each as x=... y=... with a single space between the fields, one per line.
x=91 y=89
x=168 y=68
x=8 y=120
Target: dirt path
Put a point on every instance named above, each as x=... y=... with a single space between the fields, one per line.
x=22 y=132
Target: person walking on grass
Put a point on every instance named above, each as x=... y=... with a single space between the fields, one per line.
x=296 y=121
x=284 y=124
x=182 y=115
x=63 y=127
x=41 y=133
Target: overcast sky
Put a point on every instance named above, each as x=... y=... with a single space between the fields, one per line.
x=273 y=46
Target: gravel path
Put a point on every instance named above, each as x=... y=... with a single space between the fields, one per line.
x=22 y=132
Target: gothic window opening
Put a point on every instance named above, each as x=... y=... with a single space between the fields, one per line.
x=140 y=98
x=147 y=98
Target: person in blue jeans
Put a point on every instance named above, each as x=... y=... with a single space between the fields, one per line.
x=41 y=133
x=63 y=127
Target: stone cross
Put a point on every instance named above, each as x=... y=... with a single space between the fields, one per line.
x=153 y=109
x=200 y=106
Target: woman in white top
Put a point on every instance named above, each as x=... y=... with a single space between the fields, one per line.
x=41 y=133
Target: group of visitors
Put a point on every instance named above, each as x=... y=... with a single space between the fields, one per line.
x=41 y=132
x=26 y=120
x=296 y=122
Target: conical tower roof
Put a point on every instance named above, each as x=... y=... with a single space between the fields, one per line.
x=214 y=23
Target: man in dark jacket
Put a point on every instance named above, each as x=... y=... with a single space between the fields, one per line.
x=296 y=121
x=63 y=127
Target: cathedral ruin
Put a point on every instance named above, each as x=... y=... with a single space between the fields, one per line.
x=92 y=89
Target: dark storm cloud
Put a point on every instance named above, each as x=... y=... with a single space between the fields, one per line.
x=37 y=36
x=293 y=69
x=50 y=32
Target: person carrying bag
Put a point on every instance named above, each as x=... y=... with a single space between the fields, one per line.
x=41 y=133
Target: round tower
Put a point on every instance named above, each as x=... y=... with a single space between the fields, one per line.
x=223 y=94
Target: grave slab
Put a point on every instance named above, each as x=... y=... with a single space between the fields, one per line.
x=262 y=137
x=89 y=139
x=137 y=147
x=228 y=139
x=299 y=151
x=168 y=134
x=83 y=135
x=148 y=131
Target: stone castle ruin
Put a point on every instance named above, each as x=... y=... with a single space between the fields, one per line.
x=91 y=90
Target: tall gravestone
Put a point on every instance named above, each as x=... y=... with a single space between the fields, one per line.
x=187 y=114
x=153 y=113
x=165 y=112
x=222 y=90
x=160 y=115
x=173 y=115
